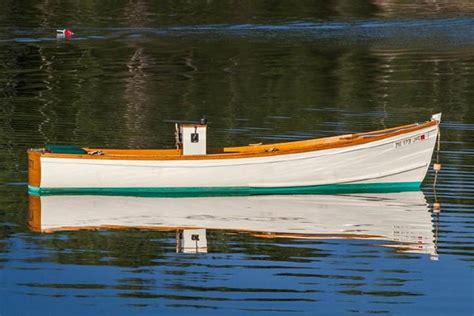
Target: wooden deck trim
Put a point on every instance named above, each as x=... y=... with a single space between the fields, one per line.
x=251 y=151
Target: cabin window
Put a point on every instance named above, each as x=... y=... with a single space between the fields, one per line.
x=194 y=138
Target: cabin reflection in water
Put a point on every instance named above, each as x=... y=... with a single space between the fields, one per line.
x=403 y=219
x=191 y=241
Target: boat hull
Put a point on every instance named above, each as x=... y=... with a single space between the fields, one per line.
x=397 y=163
x=382 y=161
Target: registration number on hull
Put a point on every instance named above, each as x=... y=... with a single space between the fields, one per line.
x=411 y=140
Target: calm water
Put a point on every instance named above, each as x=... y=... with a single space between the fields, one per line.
x=261 y=71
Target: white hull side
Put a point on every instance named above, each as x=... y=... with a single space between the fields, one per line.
x=377 y=162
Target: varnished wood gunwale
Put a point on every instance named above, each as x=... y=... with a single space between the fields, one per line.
x=251 y=151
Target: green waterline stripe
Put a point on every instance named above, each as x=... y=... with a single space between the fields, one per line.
x=232 y=191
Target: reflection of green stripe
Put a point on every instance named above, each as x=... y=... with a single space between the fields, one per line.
x=232 y=191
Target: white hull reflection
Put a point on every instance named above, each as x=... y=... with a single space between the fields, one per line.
x=403 y=218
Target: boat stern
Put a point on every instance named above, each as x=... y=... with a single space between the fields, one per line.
x=34 y=167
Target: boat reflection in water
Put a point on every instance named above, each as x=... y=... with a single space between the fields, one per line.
x=404 y=219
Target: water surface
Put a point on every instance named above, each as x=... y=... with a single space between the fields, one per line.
x=261 y=72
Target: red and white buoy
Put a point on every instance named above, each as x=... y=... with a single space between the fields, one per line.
x=67 y=33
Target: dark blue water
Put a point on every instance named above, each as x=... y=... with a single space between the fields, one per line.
x=261 y=72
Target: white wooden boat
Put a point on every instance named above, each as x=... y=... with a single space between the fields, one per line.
x=402 y=218
x=394 y=159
